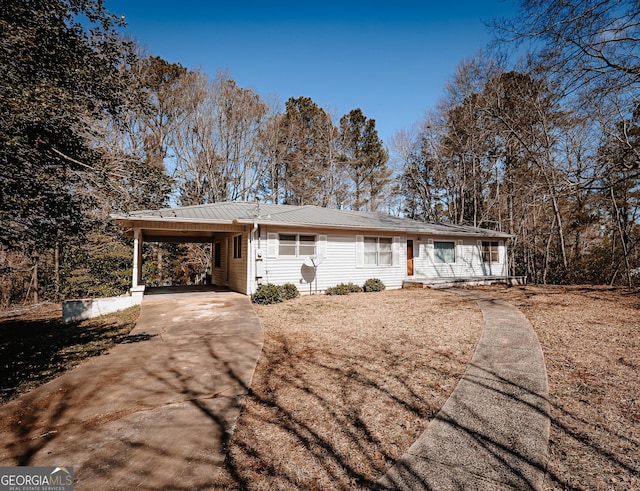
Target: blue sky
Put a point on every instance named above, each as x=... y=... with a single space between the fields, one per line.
x=389 y=58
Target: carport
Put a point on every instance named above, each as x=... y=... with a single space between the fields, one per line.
x=228 y=240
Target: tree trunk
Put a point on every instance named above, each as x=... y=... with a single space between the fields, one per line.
x=56 y=269
x=35 y=282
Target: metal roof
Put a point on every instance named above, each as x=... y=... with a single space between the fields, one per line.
x=306 y=216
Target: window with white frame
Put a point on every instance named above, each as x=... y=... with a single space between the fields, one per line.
x=444 y=252
x=490 y=252
x=378 y=251
x=296 y=245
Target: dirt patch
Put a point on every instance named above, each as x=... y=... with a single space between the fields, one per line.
x=591 y=342
x=346 y=384
x=36 y=346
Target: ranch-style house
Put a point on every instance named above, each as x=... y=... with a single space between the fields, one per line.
x=315 y=248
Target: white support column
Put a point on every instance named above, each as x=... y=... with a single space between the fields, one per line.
x=137 y=287
x=137 y=258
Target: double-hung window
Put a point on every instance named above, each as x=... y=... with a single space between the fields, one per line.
x=377 y=251
x=444 y=252
x=296 y=245
x=490 y=252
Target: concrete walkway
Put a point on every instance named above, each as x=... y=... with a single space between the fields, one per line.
x=493 y=431
x=154 y=413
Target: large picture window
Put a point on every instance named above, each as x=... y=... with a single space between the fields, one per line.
x=377 y=251
x=444 y=252
x=490 y=252
x=295 y=245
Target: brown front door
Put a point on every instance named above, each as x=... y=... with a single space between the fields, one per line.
x=409 y=257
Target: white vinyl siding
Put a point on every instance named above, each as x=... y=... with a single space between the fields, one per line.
x=343 y=262
x=359 y=251
x=458 y=258
x=344 y=258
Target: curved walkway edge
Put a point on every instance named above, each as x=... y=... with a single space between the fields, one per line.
x=493 y=431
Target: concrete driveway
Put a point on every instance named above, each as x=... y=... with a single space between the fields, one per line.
x=155 y=412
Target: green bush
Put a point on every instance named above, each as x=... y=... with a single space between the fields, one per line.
x=340 y=289
x=290 y=291
x=343 y=289
x=269 y=293
x=353 y=288
x=373 y=285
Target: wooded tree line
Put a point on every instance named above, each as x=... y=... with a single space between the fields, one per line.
x=546 y=150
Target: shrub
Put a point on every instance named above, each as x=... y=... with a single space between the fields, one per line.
x=267 y=294
x=343 y=289
x=373 y=285
x=340 y=289
x=289 y=291
x=353 y=288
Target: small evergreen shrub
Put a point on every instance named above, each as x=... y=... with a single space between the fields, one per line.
x=290 y=291
x=353 y=288
x=373 y=285
x=267 y=294
x=340 y=289
x=343 y=289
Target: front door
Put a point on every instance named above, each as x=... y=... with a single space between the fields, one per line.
x=409 y=257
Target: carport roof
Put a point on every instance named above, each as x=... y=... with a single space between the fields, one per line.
x=239 y=212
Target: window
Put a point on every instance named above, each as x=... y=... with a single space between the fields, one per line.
x=217 y=255
x=490 y=252
x=237 y=247
x=296 y=245
x=377 y=251
x=444 y=252
x=287 y=245
x=306 y=245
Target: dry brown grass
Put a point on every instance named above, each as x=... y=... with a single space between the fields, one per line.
x=591 y=342
x=346 y=384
